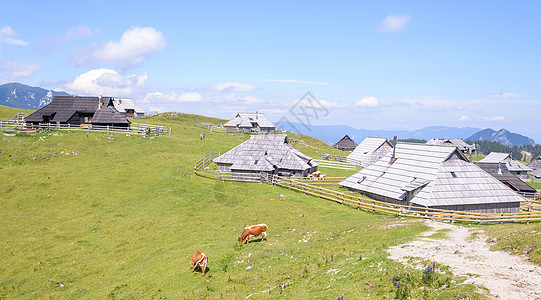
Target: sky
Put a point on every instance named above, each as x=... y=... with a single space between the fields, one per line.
x=369 y=64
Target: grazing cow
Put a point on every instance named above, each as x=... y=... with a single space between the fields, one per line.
x=254 y=230
x=199 y=259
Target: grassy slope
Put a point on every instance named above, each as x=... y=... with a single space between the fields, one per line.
x=123 y=217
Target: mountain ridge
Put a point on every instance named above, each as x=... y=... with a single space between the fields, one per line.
x=502 y=136
x=20 y=95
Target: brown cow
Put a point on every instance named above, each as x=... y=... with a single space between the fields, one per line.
x=254 y=230
x=199 y=259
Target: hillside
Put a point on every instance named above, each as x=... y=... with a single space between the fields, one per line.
x=96 y=216
x=24 y=96
x=502 y=136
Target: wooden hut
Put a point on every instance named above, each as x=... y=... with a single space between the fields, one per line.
x=512 y=165
x=127 y=108
x=433 y=176
x=345 y=144
x=500 y=172
x=250 y=122
x=535 y=164
x=77 y=110
x=460 y=144
x=270 y=154
x=369 y=151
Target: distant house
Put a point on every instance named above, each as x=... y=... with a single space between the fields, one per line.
x=512 y=165
x=251 y=122
x=77 y=110
x=345 y=144
x=535 y=164
x=536 y=173
x=369 y=151
x=431 y=176
x=269 y=154
x=128 y=108
x=460 y=144
x=500 y=172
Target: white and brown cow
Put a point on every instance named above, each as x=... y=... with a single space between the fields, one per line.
x=254 y=230
x=199 y=259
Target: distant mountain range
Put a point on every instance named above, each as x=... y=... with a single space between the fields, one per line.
x=333 y=133
x=24 y=96
x=502 y=136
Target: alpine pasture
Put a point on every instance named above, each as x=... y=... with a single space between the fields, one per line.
x=92 y=215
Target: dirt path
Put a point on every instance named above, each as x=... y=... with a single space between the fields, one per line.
x=506 y=276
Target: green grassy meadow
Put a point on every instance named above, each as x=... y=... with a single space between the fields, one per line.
x=113 y=216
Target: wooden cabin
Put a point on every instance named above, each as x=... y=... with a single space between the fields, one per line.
x=270 y=154
x=433 y=176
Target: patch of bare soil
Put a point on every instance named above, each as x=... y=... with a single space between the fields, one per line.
x=505 y=276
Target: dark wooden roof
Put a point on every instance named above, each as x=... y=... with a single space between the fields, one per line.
x=505 y=176
x=108 y=114
x=62 y=108
x=345 y=144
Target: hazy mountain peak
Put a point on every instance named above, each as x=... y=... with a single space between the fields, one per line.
x=19 y=95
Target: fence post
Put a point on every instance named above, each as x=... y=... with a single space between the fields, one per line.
x=373 y=207
x=69 y=127
x=157 y=131
x=529 y=211
x=107 y=129
x=88 y=128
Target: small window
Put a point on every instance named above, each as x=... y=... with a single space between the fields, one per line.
x=361 y=179
x=256 y=161
x=414 y=178
x=453 y=174
x=382 y=174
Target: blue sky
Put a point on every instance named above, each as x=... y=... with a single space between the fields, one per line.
x=373 y=64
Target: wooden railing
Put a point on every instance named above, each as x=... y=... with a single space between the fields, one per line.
x=133 y=129
x=365 y=203
x=337 y=165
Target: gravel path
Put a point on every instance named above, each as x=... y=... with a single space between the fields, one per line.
x=506 y=276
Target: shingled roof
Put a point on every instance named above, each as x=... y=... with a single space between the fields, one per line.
x=460 y=144
x=266 y=152
x=345 y=144
x=500 y=172
x=505 y=158
x=440 y=175
x=369 y=151
x=107 y=114
x=535 y=164
x=62 y=108
x=245 y=120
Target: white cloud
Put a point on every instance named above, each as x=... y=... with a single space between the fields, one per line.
x=234 y=87
x=394 y=23
x=329 y=104
x=79 y=32
x=298 y=81
x=159 y=97
x=17 y=69
x=368 y=102
x=133 y=48
x=464 y=118
x=6 y=37
x=250 y=100
x=505 y=95
x=106 y=82
x=498 y=118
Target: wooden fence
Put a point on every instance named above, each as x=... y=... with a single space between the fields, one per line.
x=364 y=203
x=333 y=157
x=337 y=165
x=202 y=168
x=133 y=129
